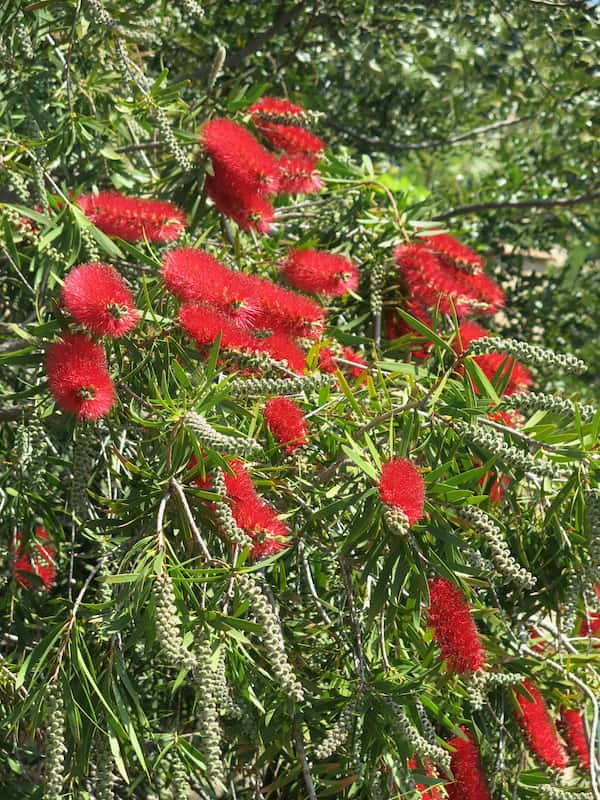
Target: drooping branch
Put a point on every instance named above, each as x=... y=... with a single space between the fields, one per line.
x=535 y=202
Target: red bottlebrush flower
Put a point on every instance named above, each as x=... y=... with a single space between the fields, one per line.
x=205 y=483
x=78 y=377
x=324 y=273
x=497 y=486
x=287 y=312
x=574 y=732
x=204 y=325
x=358 y=365
x=539 y=728
x=470 y=782
x=287 y=423
x=133 y=218
x=39 y=561
x=292 y=139
x=401 y=486
x=432 y=793
x=433 y=282
x=327 y=362
x=453 y=251
x=298 y=175
x=96 y=296
x=194 y=275
x=282 y=348
x=274 y=106
x=453 y=627
x=260 y=521
x=239 y=484
x=490 y=363
x=238 y=157
x=243 y=204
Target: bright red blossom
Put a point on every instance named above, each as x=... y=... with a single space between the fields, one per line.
x=453 y=251
x=291 y=139
x=318 y=272
x=590 y=625
x=274 y=106
x=298 y=175
x=539 y=728
x=574 y=732
x=520 y=377
x=453 y=627
x=96 y=296
x=470 y=782
x=205 y=324
x=78 y=377
x=432 y=793
x=286 y=422
x=242 y=204
x=38 y=560
x=238 y=158
x=401 y=486
x=261 y=522
x=133 y=218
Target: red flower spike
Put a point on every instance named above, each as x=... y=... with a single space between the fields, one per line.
x=539 y=728
x=453 y=251
x=401 y=486
x=453 y=628
x=327 y=362
x=238 y=159
x=318 y=272
x=291 y=139
x=470 y=782
x=133 y=218
x=96 y=296
x=287 y=312
x=78 y=377
x=282 y=348
x=434 y=283
x=590 y=625
x=260 y=521
x=432 y=793
x=205 y=324
x=187 y=272
x=274 y=106
x=490 y=363
x=358 y=365
x=574 y=733
x=39 y=561
x=243 y=205
x=298 y=175
x=287 y=423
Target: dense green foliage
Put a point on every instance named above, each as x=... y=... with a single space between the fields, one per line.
x=99 y=694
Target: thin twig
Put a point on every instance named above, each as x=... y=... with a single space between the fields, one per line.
x=535 y=202
x=178 y=489
x=308 y=781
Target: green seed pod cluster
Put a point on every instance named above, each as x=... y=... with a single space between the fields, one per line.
x=208 y=690
x=528 y=353
x=483 y=565
x=104 y=778
x=55 y=745
x=508 y=454
x=24 y=41
x=180 y=785
x=32 y=446
x=396 y=520
x=258 y=361
x=556 y=793
x=476 y=690
x=501 y=555
x=528 y=402
x=214 y=440
x=592 y=509
x=376 y=786
x=378 y=271
x=426 y=725
x=168 y=626
x=337 y=735
x=89 y=245
x=18 y=184
x=193 y=8
x=493 y=679
x=272 y=638
x=224 y=515
x=216 y=68
x=223 y=697
x=571 y=606
x=248 y=387
x=85 y=455
x=420 y=746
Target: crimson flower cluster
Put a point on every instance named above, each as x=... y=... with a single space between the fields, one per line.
x=133 y=219
x=470 y=782
x=245 y=175
x=257 y=518
x=287 y=423
x=431 y=793
x=539 y=728
x=38 y=560
x=453 y=628
x=96 y=296
x=573 y=730
x=320 y=273
x=401 y=486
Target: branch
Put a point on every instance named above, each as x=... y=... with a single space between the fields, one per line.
x=393 y=147
x=13 y=413
x=536 y=202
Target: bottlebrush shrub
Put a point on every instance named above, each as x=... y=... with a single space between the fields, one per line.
x=133 y=218
x=217 y=608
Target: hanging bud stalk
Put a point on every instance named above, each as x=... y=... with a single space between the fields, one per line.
x=337 y=735
x=104 y=780
x=210 y=732
x=55 y=745
x=420 y=746
x=180 y=785
x=528 y=353
x=528 y=402
x=272 y=637
x=214 y=440
x=225 y=517
x=501 y=555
